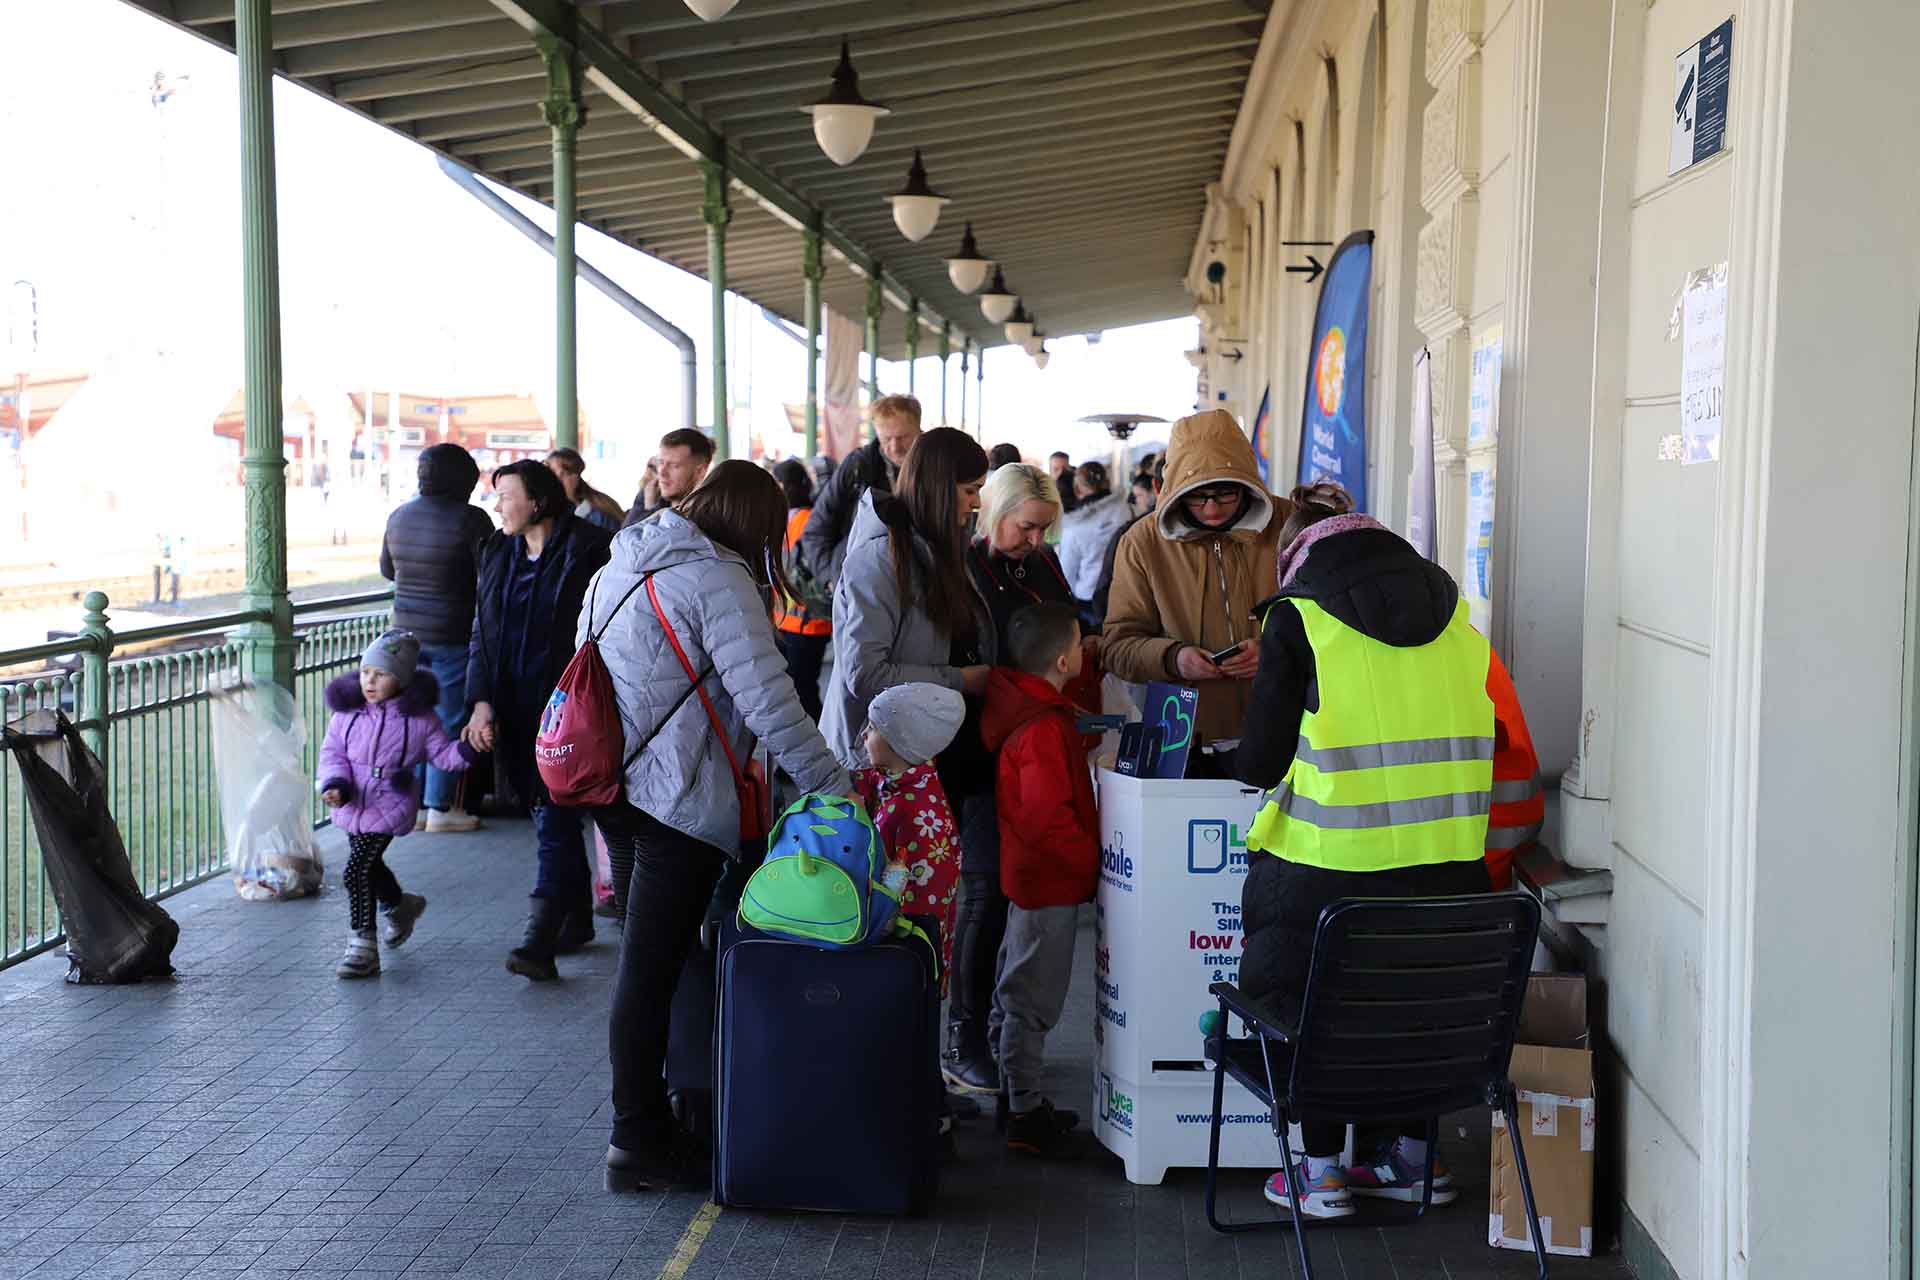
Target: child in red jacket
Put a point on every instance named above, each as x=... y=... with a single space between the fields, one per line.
x=1049 y=857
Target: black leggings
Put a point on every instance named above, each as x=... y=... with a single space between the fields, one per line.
x=368 y=879
x=666 y=893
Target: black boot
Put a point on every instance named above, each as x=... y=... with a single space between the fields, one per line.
x=533 y=958
x=966 y=1064
x=576 y=928
x=1044 y=1131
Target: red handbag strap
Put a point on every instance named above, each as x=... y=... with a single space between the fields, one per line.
x=739 y=778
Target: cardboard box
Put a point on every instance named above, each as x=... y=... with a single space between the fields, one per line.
x=1553 y=1071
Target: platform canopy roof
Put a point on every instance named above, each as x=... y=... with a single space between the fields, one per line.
x=1077 y=136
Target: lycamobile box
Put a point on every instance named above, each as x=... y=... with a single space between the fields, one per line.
x=1553 y=1071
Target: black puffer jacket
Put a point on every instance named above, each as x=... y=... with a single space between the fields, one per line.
x=1373 y=581
x=582 y=549
x=429 y=551
x=823 y=544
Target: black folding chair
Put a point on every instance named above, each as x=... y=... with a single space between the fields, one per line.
x=1410 y=1012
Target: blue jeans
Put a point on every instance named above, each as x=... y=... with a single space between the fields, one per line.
x=448 y=662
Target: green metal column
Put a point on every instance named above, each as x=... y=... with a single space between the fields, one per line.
x=946 y=332
x=815 y=269
x=564 y=114
x=270 y=651
x=96 y=694
x=913 y=339
x=874 y=304
x=717 y=215
x=966 y=346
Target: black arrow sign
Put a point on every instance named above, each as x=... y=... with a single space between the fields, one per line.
x=1311 y=271
x=1308 y=244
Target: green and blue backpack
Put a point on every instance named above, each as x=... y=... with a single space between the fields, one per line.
x=821 y=881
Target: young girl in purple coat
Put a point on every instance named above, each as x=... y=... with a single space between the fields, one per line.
x=384 y=729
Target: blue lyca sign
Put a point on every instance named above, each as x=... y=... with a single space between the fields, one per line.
x=1333 y=423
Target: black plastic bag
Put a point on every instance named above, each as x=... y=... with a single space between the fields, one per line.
x=114 y=933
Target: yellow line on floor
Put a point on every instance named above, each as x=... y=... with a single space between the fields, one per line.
x=690 y=1241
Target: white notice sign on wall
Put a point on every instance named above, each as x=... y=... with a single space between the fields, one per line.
x=1703 y=364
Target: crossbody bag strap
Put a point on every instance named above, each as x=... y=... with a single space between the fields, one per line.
x=665 y=720
x=672 y=638
x=596 y=636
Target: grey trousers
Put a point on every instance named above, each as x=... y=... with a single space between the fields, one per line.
x=1036 y=966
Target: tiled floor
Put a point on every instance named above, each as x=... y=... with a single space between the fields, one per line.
x=255 y=1116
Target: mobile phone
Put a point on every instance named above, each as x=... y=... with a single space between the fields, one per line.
x=1217 y=658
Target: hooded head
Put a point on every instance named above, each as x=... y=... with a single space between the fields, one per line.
x=447 y=471
x=1208 y=450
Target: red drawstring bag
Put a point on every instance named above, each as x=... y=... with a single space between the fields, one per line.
x=749 y=784
x=577 y=749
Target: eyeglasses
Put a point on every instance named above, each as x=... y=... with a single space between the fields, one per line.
x=1224 y=495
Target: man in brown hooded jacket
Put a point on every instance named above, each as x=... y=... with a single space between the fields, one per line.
x=1186 y=578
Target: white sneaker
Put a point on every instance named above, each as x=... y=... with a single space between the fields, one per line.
x=450 y=821
x=361 y=958
x=420 y=821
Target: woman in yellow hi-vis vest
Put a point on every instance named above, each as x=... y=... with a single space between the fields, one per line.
x=1372 y=728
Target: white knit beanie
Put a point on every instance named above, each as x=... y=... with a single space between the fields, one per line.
x=918 y=720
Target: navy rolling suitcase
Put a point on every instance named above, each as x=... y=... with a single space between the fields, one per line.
x=827 y=1083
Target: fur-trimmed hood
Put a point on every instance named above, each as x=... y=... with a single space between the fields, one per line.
x=343 y=693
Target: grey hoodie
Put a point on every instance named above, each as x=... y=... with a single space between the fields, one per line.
x=879 y=641
x=720 y=617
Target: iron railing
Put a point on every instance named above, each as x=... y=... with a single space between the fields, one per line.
x=146 y=715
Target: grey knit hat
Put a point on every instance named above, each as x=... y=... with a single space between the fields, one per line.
x=397 y=653
x=918 y=720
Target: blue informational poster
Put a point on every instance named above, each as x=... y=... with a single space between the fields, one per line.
x=1170 y=707
x=1333 y=424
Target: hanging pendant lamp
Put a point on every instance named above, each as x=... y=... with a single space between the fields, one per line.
x=1019 y=326
x=1040 y=359
x=967 y=269
x=843 y=120
x=996 y=304
x=711 y=10
x=916 y=207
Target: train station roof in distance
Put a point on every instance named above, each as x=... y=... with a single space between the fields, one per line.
x=1077 y=136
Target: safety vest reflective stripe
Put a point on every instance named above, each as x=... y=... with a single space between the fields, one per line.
x=1515 y=791
x=1380 y=755
x=1388 y=813
x=1512 y=837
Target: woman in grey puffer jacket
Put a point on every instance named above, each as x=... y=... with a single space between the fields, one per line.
x=711 y=562
x=905 y=609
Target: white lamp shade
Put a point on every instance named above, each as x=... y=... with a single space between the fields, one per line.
x=916 y=215
x=1040 y=359
x=996 y=307
x=843 y=131
x=711 y=10
x=969 y=275
x=1034 y=344
x=1018 y=331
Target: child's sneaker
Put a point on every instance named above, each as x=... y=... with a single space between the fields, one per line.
x=1323 y=1197
x=1389 y=1175
x=398 y=920
x=444 y=821
x=1044 y=1131
x=361 y=959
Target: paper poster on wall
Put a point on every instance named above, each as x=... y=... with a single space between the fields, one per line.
x=1483 y=389
x=1476 y=578
x=1702 y=80
x=1703 y=364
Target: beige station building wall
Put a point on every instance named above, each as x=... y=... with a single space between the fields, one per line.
x=1714 y=658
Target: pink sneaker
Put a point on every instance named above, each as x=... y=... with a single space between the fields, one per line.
x=1322 y=1197
x=1391 y=1176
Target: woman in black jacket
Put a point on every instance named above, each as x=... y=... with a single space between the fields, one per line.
x=1013 y=567
x=533 y=579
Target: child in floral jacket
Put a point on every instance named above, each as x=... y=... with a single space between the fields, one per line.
x=907 y=726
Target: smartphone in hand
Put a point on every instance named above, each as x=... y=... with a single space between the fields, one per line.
x=1217 y=658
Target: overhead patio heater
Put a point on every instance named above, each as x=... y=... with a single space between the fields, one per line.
x=967 y=269
x=843 y=120
x=996 y=304
x=916 y=207
x=1019 y=326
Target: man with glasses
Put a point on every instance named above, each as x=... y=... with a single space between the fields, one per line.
x=1186 y=578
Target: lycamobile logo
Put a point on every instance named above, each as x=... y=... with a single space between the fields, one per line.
x=1215 y=845
x=1116 y=866
x=1116 y=1108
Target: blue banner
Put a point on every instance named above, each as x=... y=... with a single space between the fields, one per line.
x=1262 y=422
x=1333 y=423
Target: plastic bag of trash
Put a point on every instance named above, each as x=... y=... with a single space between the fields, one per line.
x=259 y=748
x=114 y=933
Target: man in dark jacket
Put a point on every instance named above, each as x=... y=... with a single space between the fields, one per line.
x=429 y=554
x=896 y=425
